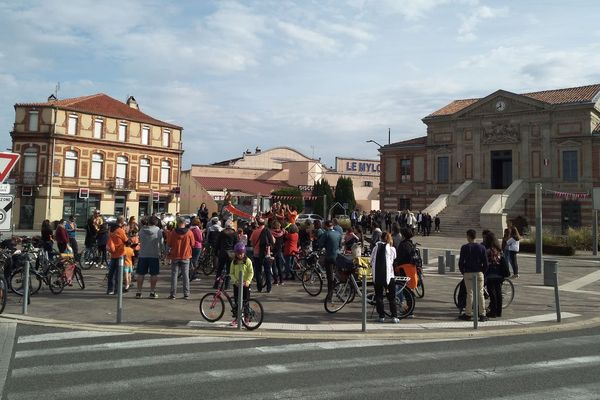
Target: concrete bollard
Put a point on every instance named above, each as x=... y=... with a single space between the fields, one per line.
x=441 y=265
x=451 y=261
x=550 y=266
x=425 y=256
x=448 y=253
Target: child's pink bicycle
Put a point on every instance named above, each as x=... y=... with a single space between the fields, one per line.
x=212 y=307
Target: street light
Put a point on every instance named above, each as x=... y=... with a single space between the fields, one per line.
x=372 y=141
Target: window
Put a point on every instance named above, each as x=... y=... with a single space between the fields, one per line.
x=368 y=183
x=122 y=132
x=144 y=170
x=97 y=162
x=570 y=166
x=33 y=121
x=390 y=169
x=165 y=171
x=166 y=138
x=443 y=171
x=72 y=128
x=98 y=129
x=405 y=171
x=70 y=164
x=30 y=158
x=145 y=135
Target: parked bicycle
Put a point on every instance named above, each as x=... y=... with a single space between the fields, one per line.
x=207 y=260
x=212 y=307
x=3 y=289
x=508 y=293
x=92 y=257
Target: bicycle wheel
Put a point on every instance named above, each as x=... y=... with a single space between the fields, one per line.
x=508 y=293
x=420 y=289
x=456 y=291
x=298 y=268
x=406 y=304
x=56 y=281
x=17 y=280
x=312 y=282
x=87 y=259
x=79 y=278
x=3 y=293
x=208 y=265
x=254 y=317
x=342 y=291
x=212 y=307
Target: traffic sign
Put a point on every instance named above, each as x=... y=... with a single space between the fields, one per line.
x=6 y=203
x=84 y=193
x=7 y=163
x=4 y=188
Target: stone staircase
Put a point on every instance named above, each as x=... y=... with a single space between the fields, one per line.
x=456 y=219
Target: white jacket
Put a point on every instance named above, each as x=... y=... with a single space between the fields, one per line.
x=390 y=256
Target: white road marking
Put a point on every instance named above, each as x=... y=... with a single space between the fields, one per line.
x=581 y=282
x=134 y=344
x=46 y=337
x=7 y=339
x=579 y=392
x=317 y=391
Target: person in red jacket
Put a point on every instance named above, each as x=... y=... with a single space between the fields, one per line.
x=181 y=242
x=290 y=248
x=61 y=236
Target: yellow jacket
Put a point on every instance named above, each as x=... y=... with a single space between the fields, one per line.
x=246 y=267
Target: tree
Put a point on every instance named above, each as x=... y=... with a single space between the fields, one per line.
x=322 y=188
x=297 y=200
x=344 y=194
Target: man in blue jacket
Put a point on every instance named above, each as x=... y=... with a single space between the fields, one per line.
x=331 y=241
x=472 y=264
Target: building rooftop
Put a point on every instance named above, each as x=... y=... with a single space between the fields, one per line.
x=415 y=142
x=250 y=186
x=103 y=105
x=575 y=95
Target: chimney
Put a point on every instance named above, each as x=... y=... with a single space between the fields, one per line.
x=132 y=103
x=257 y=150
x=52 y=97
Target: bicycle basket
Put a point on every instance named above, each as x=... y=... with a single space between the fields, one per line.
x=344 y=263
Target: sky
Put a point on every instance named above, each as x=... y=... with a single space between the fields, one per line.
x=319 y=76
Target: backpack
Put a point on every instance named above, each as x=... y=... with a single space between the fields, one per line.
x=415 y=257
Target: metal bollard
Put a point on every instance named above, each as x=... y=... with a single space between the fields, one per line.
x=120 y=292
x=425 y=255
x=451 y=262
x=364 y=303
x=240 y=299
x=556 y=296
x=448 y=253
x=475 y=312
x=441 y=265
x=550 y=266
x=26 y=286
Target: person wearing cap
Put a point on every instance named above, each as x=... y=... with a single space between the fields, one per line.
x=241 y=262
x=225 y=242
x=180 y=242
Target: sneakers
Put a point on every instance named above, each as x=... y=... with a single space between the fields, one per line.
x=395 y=321
x=483 y=318
x=233 y=323
x=515 y=276
x=154 y=295
x=138 y=295
x=171 y=297
x=381 y=320
x=110 y=293
x=464 y=317
x=186 y=297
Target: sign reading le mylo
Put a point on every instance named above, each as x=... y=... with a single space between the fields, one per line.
x=369 y=167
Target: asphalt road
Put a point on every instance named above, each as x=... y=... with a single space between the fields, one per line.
x=48 y=363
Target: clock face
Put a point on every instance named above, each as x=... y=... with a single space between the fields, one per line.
x=500 y=105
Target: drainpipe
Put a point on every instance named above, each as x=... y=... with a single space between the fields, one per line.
x=51 y=167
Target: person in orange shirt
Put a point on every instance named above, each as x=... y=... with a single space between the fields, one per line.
x=180 y=241
x=127 y=266
x=116 y=246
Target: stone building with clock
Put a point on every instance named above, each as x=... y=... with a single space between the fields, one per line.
x=479 y=163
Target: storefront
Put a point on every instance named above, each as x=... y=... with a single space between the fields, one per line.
x=82 y=209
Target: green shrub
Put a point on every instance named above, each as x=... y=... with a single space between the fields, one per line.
x=580 y=238
x=527 y=246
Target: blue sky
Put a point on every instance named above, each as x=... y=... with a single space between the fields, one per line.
x=322 y=75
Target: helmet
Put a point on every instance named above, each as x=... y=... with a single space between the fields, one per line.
x=239 y=248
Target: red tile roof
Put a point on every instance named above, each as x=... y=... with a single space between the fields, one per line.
x=581 y=94
x=249 y=186
x=101 y=104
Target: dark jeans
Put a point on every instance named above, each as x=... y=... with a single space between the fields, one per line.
x=391 y=296
x=62 y=247
x=245 y=296
x=494 y=288
x=279 y=266
x=329 y=267
x=74 y=246
x=222 y=268
x=113 y=277
x=513 y=261
x=262 y=265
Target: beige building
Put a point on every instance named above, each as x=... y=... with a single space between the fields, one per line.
x=253 y=176
x=92 y=152
x=481 y=158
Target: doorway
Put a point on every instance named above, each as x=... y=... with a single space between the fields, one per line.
x=501 y=162
x=570 y=213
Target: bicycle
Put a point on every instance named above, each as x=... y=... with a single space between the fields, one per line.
x=420 y=289
x=3 y=289
x=508 y=293
x=212 y=307
x=207 y=260
x=346 y=289
x=91 y=257
x=64 y=263
x=51 y=276
x=312 y=275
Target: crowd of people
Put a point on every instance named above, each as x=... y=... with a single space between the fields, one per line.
x=420 y=223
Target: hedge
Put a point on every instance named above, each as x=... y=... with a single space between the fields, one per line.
x=559 y=250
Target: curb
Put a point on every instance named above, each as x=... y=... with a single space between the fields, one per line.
x=315 y=335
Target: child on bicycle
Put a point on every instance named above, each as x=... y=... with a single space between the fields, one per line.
x=241 y=262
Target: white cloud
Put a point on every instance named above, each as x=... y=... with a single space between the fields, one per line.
x=470 y=23
x=308 y=38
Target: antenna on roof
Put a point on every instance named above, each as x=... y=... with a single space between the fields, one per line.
x=56 y=89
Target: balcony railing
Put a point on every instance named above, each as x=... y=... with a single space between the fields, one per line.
x=122 y=184
x=27 y=178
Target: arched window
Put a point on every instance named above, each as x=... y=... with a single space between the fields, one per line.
x=165 y=171
x=97 y=166
x=144 y=170
x=70 y=164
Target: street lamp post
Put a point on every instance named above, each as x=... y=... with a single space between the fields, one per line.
x=372 y=141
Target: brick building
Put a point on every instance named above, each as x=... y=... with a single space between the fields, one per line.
x=92 y=152
x=481 y=158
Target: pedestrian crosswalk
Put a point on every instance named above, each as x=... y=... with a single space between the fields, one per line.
x=96 y=364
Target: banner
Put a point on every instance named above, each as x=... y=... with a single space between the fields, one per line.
x=294 y=197
x=237 y=212
x=567 y=195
